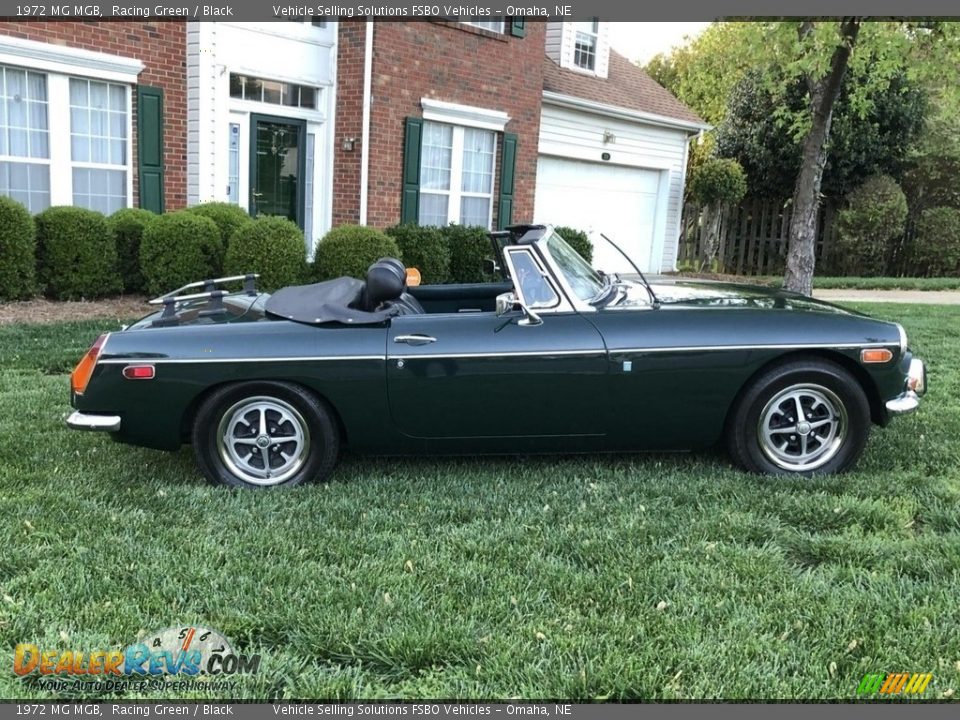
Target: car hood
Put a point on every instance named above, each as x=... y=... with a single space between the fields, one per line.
x=677 y=292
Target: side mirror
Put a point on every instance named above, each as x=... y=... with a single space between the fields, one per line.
x=490 y=267
x=507 y=303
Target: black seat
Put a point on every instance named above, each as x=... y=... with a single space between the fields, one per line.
x=386 y=287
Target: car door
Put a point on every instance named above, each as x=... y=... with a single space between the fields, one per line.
x=483 y=375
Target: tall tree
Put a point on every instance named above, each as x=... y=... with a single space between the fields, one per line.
x=823 y=88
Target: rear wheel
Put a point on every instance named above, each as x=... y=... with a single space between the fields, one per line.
x=801 y=417
x=264 y=434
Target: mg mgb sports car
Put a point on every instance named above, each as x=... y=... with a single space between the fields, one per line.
x=553 y=356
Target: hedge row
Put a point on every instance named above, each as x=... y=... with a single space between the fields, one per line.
x=71 y=253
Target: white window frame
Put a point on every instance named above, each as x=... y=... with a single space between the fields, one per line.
x=483 y=25
x=595 y=34
x=454 y=194
x=59 y=64
x=89 y=165
x=28 y=160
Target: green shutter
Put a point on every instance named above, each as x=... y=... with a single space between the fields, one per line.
x=150 y=147
x=518 y=27
x=410 y=202
x=508 y=162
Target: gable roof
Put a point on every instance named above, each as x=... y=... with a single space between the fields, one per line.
x=626 y=86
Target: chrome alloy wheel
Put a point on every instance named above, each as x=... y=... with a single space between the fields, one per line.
x=263 y=440
x=802 y=427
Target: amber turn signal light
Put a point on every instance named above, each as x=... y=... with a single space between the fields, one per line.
x=84 y=369
x=876 y=355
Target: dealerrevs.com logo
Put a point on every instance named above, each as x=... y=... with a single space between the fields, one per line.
x=190 y=652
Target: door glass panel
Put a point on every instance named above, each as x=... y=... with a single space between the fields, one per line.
x=233 y=169
x=276 y=171
x=308 y=190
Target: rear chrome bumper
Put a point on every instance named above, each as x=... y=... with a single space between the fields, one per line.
x=916 y=385
x=100 y=423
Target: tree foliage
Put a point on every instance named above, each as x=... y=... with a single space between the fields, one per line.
x=877 y=142
x=876 y=213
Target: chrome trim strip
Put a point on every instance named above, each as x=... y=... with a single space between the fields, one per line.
x=99 y=423
x=516 y=353
x=188 y=361
x=792 y=346
x=520 y=353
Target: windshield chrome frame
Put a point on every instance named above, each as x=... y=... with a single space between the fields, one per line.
x=576 y=303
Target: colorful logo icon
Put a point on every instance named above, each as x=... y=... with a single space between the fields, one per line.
x=900 y=683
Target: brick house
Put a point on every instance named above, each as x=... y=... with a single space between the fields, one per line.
x=366 y=122
x=502 y=121
x=454 y=115
x=93 y=114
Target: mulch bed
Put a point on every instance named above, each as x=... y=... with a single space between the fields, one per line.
x=41 y=310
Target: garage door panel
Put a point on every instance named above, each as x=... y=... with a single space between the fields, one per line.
x=618 y=201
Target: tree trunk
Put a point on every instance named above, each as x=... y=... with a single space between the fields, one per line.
x=806 y=195
x=711 y=235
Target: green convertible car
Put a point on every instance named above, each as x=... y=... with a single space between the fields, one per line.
x=554 y=358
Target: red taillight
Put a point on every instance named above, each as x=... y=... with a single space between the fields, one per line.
x=139 y=372
x=84 y=369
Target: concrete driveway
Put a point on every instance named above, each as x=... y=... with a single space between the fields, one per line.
x=919 y=297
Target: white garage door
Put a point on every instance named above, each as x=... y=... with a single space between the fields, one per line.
x=618 y=201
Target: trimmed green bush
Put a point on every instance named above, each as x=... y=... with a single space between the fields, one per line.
x=178 y=248
x=578 y=240
x=936 y=247
x=127 y=226
x=271 y=246
x=876 y=213
x=228 y=217
x=718 y=180
x=350 y=250
x=76 y=254
x=18 y=249
x=469 y=246
x=425 y=249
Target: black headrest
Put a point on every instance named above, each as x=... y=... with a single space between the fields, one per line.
x=386 y=280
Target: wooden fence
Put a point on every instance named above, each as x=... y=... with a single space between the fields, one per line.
x=754 y=238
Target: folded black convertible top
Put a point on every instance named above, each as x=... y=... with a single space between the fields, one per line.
x=331 y=301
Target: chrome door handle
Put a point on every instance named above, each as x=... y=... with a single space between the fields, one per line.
x=415 y=339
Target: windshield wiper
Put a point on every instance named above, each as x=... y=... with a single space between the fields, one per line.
x=654 y=301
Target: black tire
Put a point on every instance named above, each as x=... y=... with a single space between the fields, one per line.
x=828 y=439
x=301 y=441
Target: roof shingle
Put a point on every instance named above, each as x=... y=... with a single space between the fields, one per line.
x=626 y=86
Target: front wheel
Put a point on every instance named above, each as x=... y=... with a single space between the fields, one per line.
x=264 y=434
x=801 y=417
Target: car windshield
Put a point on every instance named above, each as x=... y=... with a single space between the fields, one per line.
x=583 y=280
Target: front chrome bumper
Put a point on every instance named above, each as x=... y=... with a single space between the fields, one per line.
x=916 y=385
x=101 y=423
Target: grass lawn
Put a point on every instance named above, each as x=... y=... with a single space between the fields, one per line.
x=583 y=577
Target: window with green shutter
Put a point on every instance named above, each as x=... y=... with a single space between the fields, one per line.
x=508 y=163
x=410 y=201
x=150 y=147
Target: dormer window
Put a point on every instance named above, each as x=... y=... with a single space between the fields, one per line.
x=585 y=45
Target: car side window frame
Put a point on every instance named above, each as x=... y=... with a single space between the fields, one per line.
x=509 y=253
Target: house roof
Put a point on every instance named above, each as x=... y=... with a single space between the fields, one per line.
x=626 y=86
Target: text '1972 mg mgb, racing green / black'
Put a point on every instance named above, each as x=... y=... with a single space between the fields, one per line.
x=554 y=358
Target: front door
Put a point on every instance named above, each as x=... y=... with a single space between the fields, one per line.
x=477 y=375
x=277 y=167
